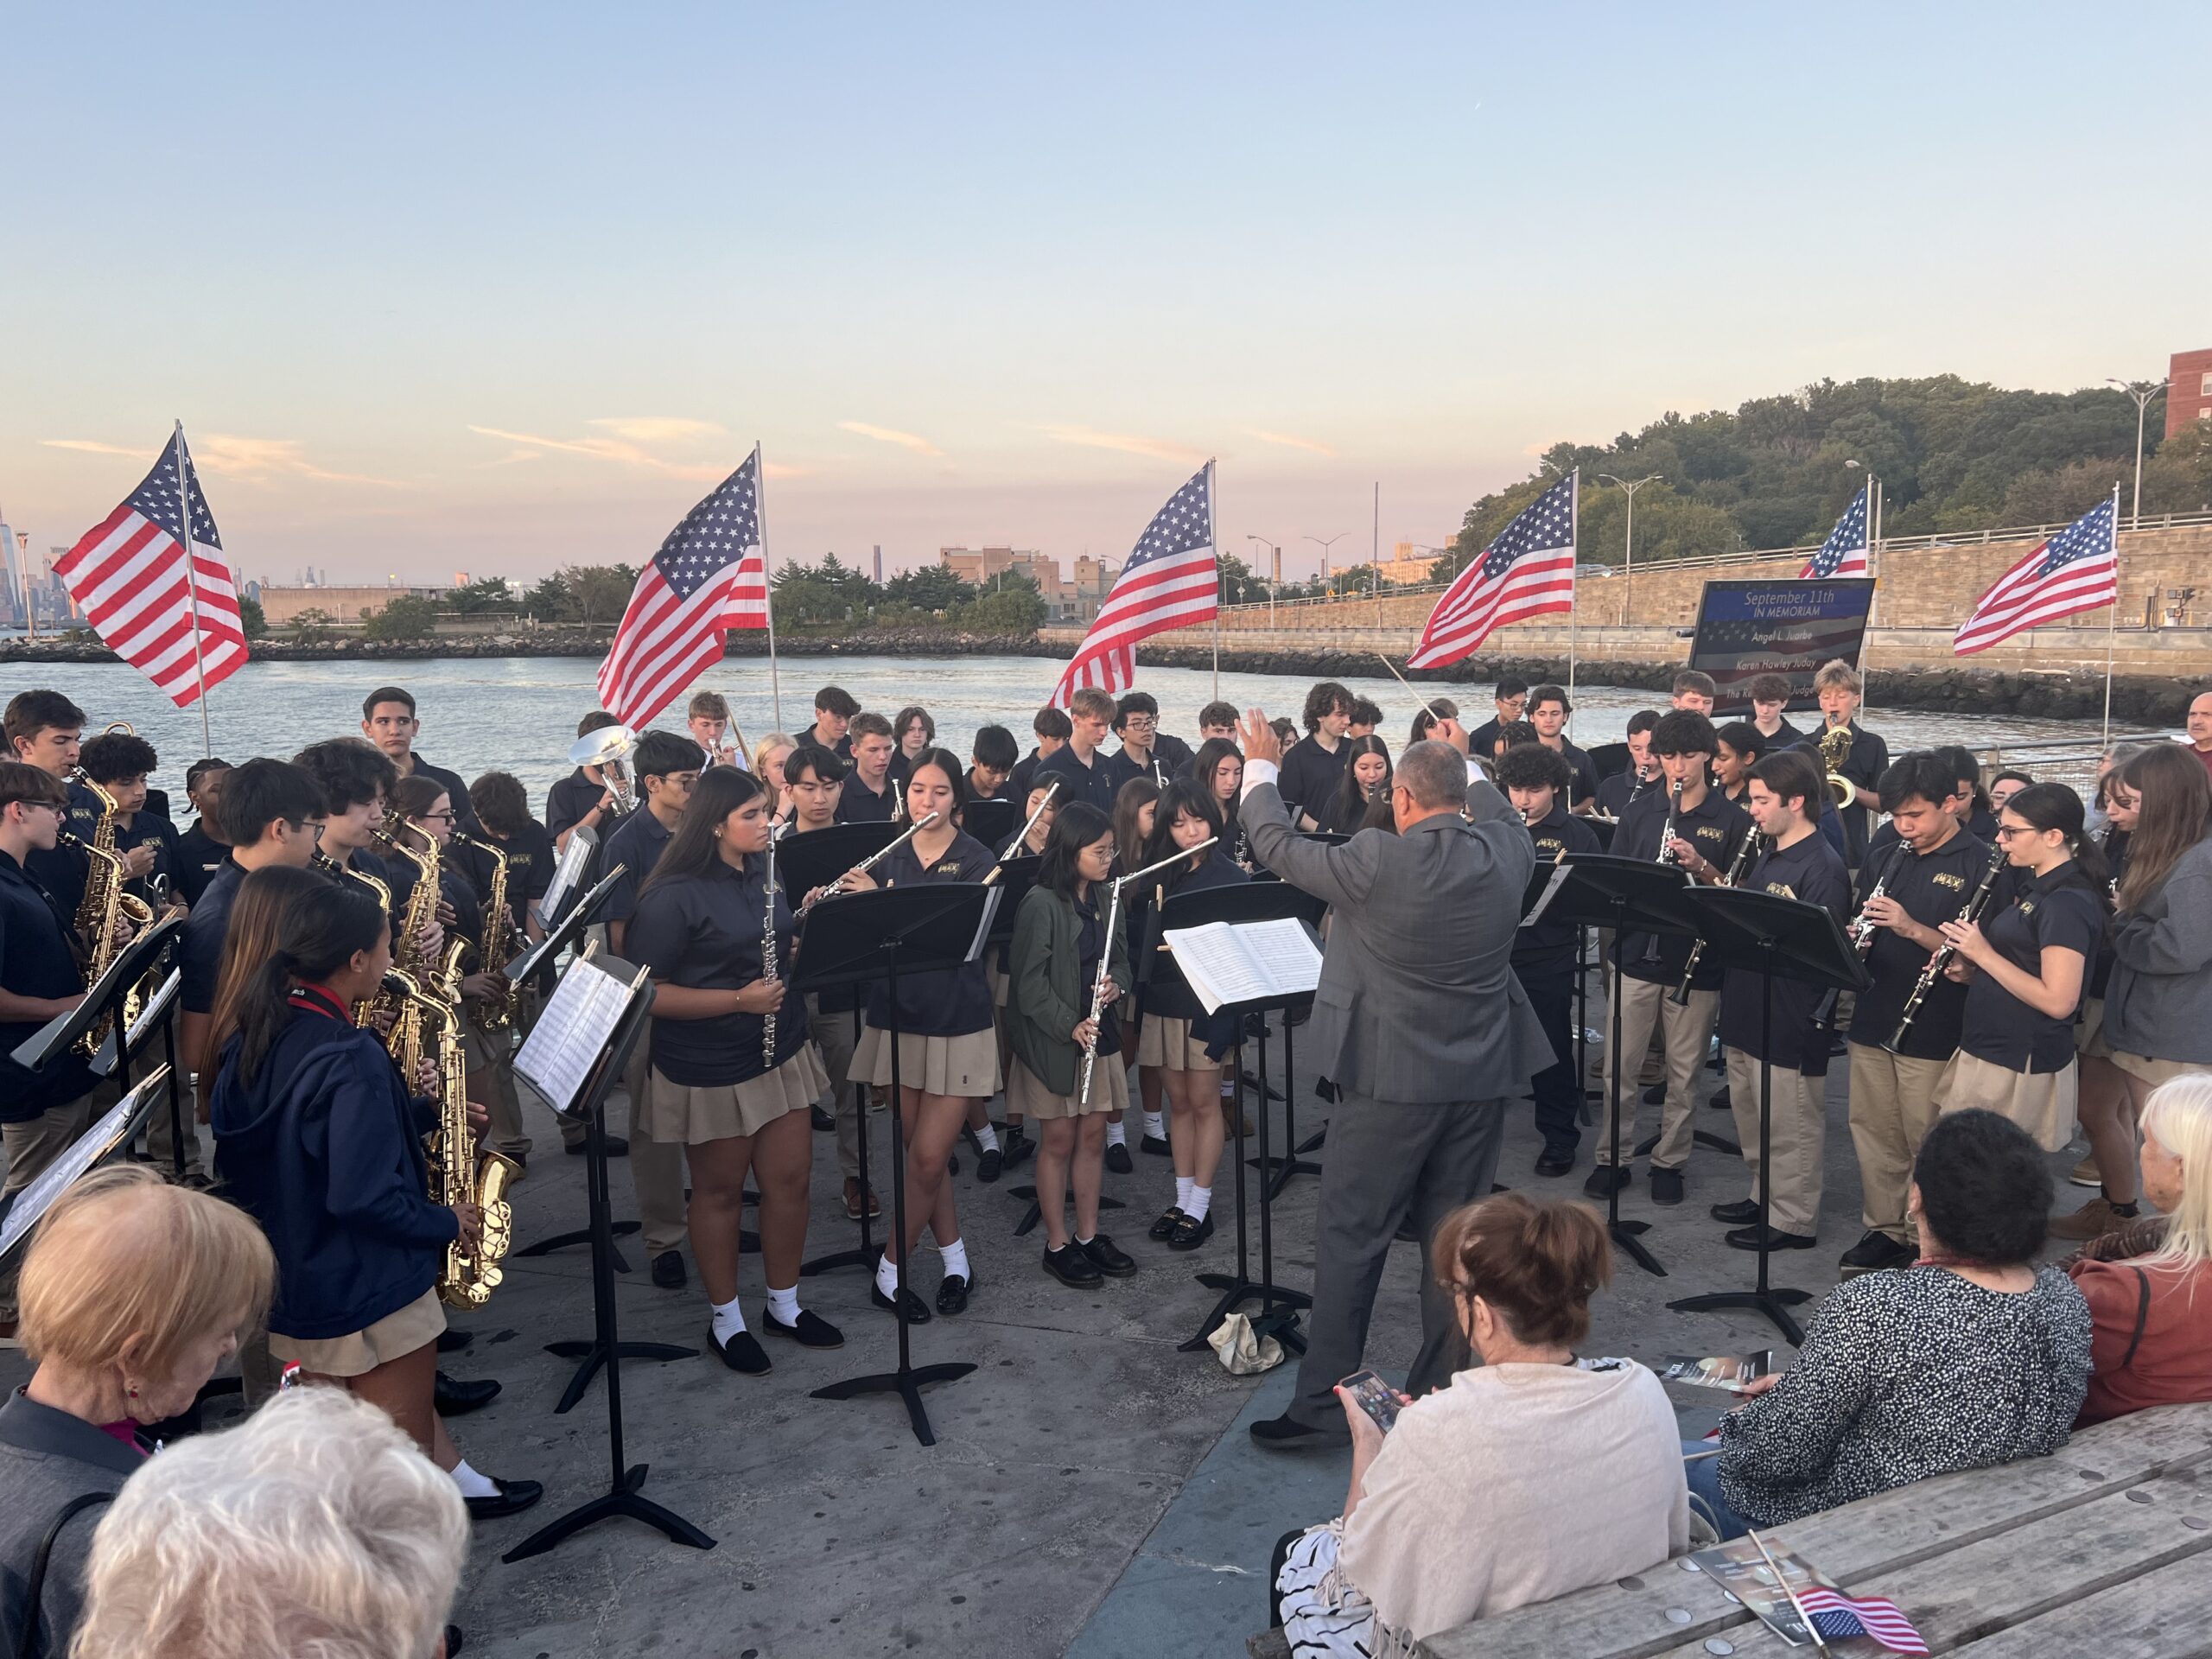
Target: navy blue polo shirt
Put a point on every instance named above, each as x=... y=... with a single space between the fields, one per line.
x=529 y=868
x=1811 y=872
x=569 y=801
x=151 y=830
x=1933 y=887
x=198 y=855
x=35 y=960
x=952 y=1001
x=858 y=803
x=2060 y=909
x=1094 y=783
x=1584 y=769
x=1547 y=948
x=637 y=844
x=703 y=932
x=450 y=782
x=61 y=870
x=454 y=887
x=1161 y=988
x=1170 y=759
x=1716 y=827
x=201 y=959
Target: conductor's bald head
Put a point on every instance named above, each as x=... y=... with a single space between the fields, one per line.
x=1434 y=774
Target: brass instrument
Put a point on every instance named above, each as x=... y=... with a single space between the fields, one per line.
x=403 y=1039
x=1941 y=959
x=106 y=900
x=326 y=865
x=768 y=968
x=1106 y=953
x=606 y=749
x=500 y=943
x=1836 y=749
x=1747 y=852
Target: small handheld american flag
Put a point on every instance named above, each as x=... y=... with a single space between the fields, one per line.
x=1528 y=570
x=1837 y=1617
x=1170 y=582
x=1844 y=553
x=2077 y=569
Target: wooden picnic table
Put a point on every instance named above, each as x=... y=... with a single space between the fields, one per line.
x=2100 y=1549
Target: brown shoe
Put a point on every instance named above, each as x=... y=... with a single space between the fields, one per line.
x=2085 y=1174
x=853 y=1201
x=2092 y=1220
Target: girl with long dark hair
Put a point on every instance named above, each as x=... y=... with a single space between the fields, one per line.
x=1061 y=940
x=1366 y=780
x=947 y=1053
x=733 y=1098
x=1220 y=766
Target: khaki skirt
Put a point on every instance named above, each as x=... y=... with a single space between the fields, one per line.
x=689 y=1114
x=393 y=1337
x=2157 y=1072
x=2089 y=1031
x=966 y=1065
x=1026 y=1092
x=1162 y=1040
x=2042 y=1103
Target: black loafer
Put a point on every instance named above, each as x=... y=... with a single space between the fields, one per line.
x=456 y=1399
x=989 y=1167
x=1019 y=1145
x=514 y=1497
x=668 y=1269
x=1157 y=1146
x=1741 y=1213
x=823 y=1123
x=1165 y=1226
x=812 y=1330
x=1666 y=1184
x=742 y=1352
x=1646 y=1146
x=1189 y=1234
x=1109 y=1257
x=909 y=1307
x=952 y=1294
x=1118 y=1158
x=1286 y=1433
x=1072 y=1267
x=1605 y=1180
x=1875 y=1252
x=1656 y=1095
x=1747 y=1238
x=1555 y=1163
x=452 y=1342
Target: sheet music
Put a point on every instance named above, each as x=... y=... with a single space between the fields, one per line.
x=1246 y=962
x=575 y=1029
x=34 y=1200
x=567 y=872
x=1560 y=873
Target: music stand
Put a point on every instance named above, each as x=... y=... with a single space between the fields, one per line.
x=1776 y=939
x=623 y=1496
x=1624 y=894
x=21 y=1210
x=932 y=927
x=991 y=822
x=1251 y=901
x=806 y=862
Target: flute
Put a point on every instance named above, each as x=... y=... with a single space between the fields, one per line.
x=1106 y=952
x=869 y=863
x=1013 y=847
x=768 y=968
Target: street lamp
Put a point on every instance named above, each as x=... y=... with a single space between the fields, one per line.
x=1628 y=544
x=1326 y=546
x=1276 y=549
x=2142 y=391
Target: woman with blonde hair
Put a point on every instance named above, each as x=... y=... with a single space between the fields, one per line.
x=134 y=1293
x=768 y=758
x=2149 y=1285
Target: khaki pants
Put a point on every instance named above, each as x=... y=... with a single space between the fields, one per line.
x=1799 y=1134
x=160 y=1145
x=1684 y=1033
x=32 y=1147
x=1893 y=1104
x=833 y=1036
x=656 y=1167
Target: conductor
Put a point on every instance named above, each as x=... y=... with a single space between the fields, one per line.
x=1419 y=1022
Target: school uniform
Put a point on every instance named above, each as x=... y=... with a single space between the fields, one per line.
x=1544 y=961
x=830 y=1019
x=150 y=829
x=1023 y=773
x=200 y=952
x=1171 y=757
x=1310 y=776
x=858 y=803
x=570 y=801
x=636 y=844
x=946 y=1044
x=1864 y=765
x=1176 y=1032
x=198 y=855
x=41 y=1113
x=842 y=747
x=1651 y=968
x=1617 y=792
x=1054 y=962
x=465 y=814
x=61 y=870
x=1783 y=736
x=1584 y=769
x=2013 y=1059
x=1094 y=783
x=1893 y=1096
x=715 y=1079
x=324 y=1148
x=2089 y=1040
x=1786 y=1034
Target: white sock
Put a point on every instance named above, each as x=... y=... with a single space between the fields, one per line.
x=1155 y=1125
x=784 y=1304
x=1228 y=1090
x=472 y=1484
x=1182 y=1186
x=1117 y=1135
x=955 y=1259
x=729 y=1319
x=886 y=1275
x=1201 y=1200
x=988 y=1138
x=1082 y=1244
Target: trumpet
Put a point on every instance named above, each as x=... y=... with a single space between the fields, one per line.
x=869 y=863
x=1106 y=952
x=1835 y=750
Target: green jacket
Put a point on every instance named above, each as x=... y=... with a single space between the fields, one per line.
x=1049 y=997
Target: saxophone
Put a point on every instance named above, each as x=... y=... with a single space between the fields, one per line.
x=104 y=900
x=500 y=943
x=323 y=864
x=403 y=1038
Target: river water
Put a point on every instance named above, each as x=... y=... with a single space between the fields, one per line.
x=520 y=713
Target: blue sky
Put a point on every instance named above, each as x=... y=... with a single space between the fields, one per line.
x=496 y=287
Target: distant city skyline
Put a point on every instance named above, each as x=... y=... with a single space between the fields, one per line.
x=501 y=291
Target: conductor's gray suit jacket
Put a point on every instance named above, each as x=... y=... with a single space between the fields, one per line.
x=1417 y=1002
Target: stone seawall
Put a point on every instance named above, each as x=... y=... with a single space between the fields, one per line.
x=568 y=642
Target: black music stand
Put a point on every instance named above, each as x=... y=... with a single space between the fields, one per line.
x=806 y=862
x=1776 y=939
x=1252 y=901
x=878 y=936
x=623 y=1497
x=991 y=822
x=1624 y=894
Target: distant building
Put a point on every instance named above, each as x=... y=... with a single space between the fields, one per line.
x=1065 y=600
x=1407 y=564
x=283 y=605
x=2188 y=389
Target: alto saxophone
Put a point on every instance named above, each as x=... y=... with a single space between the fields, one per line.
x=402 y=1040
x=500 y=944
x=105 y=900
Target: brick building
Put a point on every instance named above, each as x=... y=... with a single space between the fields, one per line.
x=2188 y=389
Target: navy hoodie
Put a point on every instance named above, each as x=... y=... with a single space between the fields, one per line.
x=324 y=1149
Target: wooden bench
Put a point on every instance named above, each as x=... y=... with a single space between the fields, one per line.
x=2100 y=1549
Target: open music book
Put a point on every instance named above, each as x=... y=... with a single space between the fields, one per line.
x=1247 y=962
x=556 y=1059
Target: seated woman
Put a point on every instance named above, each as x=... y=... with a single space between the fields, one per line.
x=313 y=1527
x=134 y=1293
x=1530 y=1475
x=1970 y=1357
x=2149 y=1285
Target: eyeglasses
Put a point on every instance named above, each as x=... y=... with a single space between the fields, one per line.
x=448 y=816
x=60 y=809
x=2006 y=831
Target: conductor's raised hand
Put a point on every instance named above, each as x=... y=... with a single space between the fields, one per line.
x=1447 y=730
x=1258 y=738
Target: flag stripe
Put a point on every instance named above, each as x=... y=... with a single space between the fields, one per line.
x=2075 y=571
x=1171 y=580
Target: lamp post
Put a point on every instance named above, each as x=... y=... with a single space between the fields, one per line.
x=1628 y=543
x=1277 y=569
x=2142 y=391
x=1326 y=545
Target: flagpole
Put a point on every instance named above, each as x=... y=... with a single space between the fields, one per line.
x=767 y=591
x=192 y=589
x=1213 y=535
x=1574 y=587
x=1873 y=569
x=2112 y=614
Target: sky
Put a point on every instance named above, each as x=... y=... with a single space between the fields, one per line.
x=497 y=288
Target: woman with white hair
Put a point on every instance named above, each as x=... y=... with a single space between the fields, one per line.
x=133 y=1294
x=316 y=1526
x=2149 y=1285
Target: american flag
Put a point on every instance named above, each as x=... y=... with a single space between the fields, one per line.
x=1844 y=553
x=1170 y=582
x=748 y=593
x=1528 y=570
x=127 y=573
x=1838 y=1616
x=681 y=609
x=2077 y=569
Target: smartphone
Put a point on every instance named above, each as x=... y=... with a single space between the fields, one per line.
x=1374 y=1396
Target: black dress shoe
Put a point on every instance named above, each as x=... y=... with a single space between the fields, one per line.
x=454 y=1399
x=824 y=1123
x=1118 y=1158
x=1109 y=1257
x=1721 y=1101
x=1738 y=1214
x=1656 y=1095
x=909 y=1307
x=1286 y=1433
x=668 y=1269
x=989 y=1167
x=1157 y=1146
x=1162 y=1228
x=1666 y=1184
x=1019 y=1145
x=1189 y=1234
x=616 y=1148
x=1555 y=1163
x=514 y=1497
x=452 y=1342
x=1747 y=1238
x=1874 y=1252
x=1605 y=1180
x=453 y=1641
x=812 y=1330
x=952 y=1294
x=742 y=1352
x=1072 y=1267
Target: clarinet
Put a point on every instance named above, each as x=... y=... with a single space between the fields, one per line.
x=1664 y=855
x=768 y=968
x=1941 y=958
x=1862 y=931
x=1746 y=851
